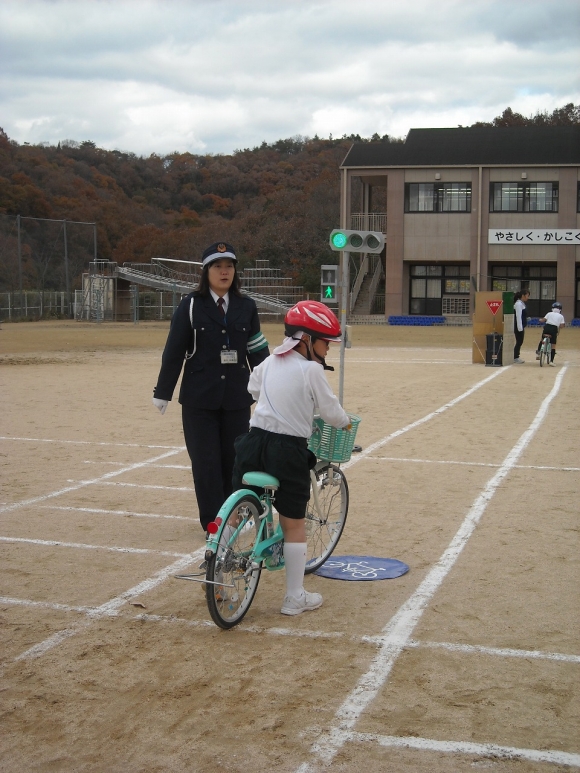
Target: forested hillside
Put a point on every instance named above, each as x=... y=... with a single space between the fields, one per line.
x=277 y=201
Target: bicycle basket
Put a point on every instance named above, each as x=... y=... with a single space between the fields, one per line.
x=332 y=444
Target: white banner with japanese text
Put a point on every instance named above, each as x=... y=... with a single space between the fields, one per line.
x=533 y=236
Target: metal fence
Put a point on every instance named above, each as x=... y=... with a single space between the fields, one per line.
x=100 y=301
x=35 y=304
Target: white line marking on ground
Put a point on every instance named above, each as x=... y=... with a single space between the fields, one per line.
x=501 y=652
x=111 y=608
x=463 y=747
x=90 y=443
x=81 y=484
x=375 y=459
x=144 y=485
x=399 y=629
x=399 y=361
x=469 y=464
x=242 y=628
x=428 y=417
x=44 y=605
x=375 y=641
x=82 y=546
x=128 y=513
x=153 y=466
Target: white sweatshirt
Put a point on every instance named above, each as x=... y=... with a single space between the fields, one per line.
x=290 y=391
x=554 y=318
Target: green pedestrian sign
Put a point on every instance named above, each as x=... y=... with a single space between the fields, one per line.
x=329 y=284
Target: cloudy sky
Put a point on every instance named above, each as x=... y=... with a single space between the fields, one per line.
x=210 y=76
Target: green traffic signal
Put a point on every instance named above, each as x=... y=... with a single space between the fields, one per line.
x=339 y=240
x=329 y=292
x=356 y=241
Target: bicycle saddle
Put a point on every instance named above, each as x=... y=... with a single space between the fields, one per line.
x=261 y=479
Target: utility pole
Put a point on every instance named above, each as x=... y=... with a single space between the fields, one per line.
x=66 y=280
x=19 y=261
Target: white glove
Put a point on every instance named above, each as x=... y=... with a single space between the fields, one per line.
x=160 y=404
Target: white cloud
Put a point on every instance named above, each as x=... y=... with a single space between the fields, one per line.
x=214 y=75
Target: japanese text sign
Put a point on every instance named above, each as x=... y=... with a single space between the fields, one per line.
x=533 y=236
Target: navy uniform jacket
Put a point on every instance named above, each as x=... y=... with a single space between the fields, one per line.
x=206 y=382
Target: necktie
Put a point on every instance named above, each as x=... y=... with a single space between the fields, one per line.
x=221 y=304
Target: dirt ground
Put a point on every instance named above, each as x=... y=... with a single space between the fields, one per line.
x=470 y=475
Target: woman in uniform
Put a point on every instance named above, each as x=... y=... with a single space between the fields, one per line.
x=215 y=337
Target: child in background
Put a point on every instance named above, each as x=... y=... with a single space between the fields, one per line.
x=553 y=321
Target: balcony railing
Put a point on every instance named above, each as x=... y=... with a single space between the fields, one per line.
x=371 y=221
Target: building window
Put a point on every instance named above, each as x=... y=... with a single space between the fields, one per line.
x=539 y=280
x=438 y=197
x=436 y=287
x=523 y=197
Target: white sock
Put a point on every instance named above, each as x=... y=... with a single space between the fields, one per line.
x=295 y=560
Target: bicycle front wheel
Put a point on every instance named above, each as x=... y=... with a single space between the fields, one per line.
x=325 y=522
x=232 y=574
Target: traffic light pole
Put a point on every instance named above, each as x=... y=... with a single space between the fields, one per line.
x=344 y=265
x=357 y=241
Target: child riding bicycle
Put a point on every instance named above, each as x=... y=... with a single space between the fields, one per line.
x=553 y=321
x=291 y=388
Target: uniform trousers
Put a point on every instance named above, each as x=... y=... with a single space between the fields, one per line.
x=209 y=437
x=519 y=334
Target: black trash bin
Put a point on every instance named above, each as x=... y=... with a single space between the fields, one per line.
x=494 y=347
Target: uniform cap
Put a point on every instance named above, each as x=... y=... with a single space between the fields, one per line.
x=218 y=251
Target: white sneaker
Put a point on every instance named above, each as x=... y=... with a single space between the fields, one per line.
x=294 y=606
x=552 y=364
x=519 y=361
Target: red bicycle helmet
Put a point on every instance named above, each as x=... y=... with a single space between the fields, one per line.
x=314 y=318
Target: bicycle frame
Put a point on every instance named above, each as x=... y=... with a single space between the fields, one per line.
x=265 y=546
x=264 y=549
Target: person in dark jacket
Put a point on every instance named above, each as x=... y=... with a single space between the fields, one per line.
x=215 y=337
x=520 y=323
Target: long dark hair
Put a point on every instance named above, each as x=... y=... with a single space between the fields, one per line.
x=203 y=287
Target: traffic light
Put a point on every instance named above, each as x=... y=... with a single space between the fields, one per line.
x=356 y=241
x=329 y=284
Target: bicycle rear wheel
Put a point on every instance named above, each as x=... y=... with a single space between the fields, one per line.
x=232 y=570
x=544 y=354
x=324 y=528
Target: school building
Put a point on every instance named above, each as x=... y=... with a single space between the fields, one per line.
x=465 y=210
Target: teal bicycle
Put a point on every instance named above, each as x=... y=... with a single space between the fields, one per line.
x=545 y=349
x=244 y=538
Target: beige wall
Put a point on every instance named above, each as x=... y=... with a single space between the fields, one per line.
x=453 y=237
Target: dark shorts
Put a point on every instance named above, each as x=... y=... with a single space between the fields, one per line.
x=283 y=456
x=553 y=331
